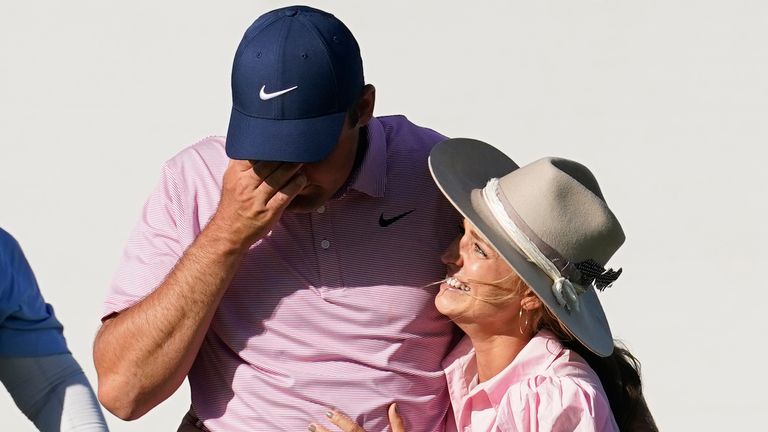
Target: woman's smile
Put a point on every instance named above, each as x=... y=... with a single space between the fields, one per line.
x=454 y=284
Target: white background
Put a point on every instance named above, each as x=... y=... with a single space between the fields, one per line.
x=665 y=100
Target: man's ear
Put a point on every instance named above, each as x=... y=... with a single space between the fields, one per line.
x=530 y=302
x=365 y=105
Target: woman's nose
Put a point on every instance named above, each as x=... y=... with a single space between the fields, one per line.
x=451 y=254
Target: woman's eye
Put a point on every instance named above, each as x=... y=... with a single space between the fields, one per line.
x=480 y=251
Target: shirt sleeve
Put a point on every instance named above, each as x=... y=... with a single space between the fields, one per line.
x=28 y=325
x=158 y=240
x=53 y=392
x=8 y=246
x=553 y=403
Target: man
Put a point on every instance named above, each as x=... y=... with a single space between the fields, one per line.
x=36 y=367
x=295 y=276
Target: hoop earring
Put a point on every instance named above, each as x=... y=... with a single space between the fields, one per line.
x=520 y=320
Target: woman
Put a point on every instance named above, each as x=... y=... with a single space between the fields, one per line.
x=538 y=352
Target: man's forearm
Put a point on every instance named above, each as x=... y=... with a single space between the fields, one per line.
x=143 y=354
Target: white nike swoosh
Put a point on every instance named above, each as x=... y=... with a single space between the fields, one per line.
x=267 y=96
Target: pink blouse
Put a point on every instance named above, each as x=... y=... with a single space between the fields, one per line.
x=546 y=388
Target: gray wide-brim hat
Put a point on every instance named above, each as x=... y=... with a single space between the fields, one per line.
x=557 y=205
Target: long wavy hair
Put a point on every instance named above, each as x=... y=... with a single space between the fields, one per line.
x=619 y=373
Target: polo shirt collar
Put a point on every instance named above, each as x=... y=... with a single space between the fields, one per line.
x=371 y=177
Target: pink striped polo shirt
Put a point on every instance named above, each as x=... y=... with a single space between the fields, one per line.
x=331 y=308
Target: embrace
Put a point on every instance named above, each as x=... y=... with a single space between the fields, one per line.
x=311 y=268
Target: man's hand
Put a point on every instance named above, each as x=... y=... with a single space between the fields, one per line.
x=167 y=328
x=253 y=197
x=346 y=424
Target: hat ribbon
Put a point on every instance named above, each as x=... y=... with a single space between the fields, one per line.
x=536 y=250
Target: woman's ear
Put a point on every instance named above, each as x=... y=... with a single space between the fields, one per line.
x=530 y=302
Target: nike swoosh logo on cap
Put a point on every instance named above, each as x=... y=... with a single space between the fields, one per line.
x=267 y=96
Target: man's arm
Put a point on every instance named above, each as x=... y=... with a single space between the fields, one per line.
x=143 y=354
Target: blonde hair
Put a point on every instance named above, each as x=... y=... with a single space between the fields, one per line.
x=540 y=318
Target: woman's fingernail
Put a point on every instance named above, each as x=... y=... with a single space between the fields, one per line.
x=311 y=428
x=329 y=414
x=394 y=407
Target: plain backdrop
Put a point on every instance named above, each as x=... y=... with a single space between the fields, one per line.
x=666 y=101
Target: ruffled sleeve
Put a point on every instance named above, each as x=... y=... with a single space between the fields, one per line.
x=555 y=403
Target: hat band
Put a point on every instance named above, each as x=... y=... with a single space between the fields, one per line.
x=549 y=260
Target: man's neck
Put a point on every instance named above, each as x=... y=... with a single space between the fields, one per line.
x=360 y=152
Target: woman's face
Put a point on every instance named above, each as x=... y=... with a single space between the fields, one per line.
x=476 y=274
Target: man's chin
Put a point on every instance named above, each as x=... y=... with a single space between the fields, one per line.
x=305 y=204
x=299 y=209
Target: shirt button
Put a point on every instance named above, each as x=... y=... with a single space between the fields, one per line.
x=325 y=244
x=321 y=209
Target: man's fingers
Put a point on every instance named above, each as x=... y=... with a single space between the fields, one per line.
x=248 y=204
x=264 y=169
x=395 y=421
x=285 y=195
x=344 y=423
x=239 y=165
x=280 y=176
x=278 y=180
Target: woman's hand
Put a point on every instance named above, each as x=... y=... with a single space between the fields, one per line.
x=346 y=424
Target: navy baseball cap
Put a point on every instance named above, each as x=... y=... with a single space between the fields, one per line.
x=296 y=73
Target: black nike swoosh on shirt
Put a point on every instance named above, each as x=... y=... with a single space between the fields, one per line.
x=387 y=222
